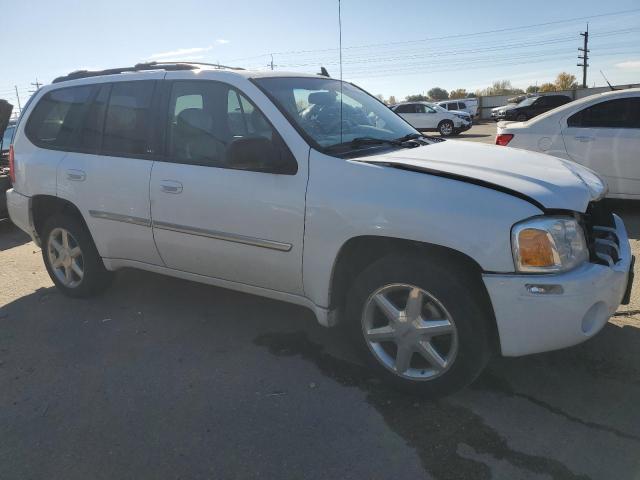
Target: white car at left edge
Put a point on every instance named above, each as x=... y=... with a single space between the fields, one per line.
x=601 y=132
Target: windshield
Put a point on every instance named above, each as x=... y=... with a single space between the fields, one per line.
x=527 y=101
x=313 y=106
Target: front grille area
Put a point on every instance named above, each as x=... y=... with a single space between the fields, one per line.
x=600 y=229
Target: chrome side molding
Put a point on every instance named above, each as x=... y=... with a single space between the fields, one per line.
x=116 y=217
x=228 y=237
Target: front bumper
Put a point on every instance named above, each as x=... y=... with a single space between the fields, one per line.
x=538 y=322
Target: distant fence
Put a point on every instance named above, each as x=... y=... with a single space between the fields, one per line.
x=485 y=104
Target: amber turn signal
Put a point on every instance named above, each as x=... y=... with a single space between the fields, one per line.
x=536 y=248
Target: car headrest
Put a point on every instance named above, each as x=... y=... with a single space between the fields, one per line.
x=322 y=98
x=195 y=118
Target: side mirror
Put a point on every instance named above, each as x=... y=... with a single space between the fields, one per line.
x=260 y=154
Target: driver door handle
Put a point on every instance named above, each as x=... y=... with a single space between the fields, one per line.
x=171 y=186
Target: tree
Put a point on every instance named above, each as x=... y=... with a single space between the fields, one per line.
x=500 y=87
x=458 y=93
x=533 y=89
x=547 y=87
x=471 y=95
x=380 y=97
x=392 y=100
x=565 y=81
x=438 y=93
x=416 y=98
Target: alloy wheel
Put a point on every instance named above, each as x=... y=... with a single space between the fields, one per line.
x=65 y=257
x=409 y=331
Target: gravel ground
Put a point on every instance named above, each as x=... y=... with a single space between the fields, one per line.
x=163 y=378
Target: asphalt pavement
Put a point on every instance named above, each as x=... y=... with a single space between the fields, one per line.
x=162 y=378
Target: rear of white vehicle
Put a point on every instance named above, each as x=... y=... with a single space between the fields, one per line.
x=601 y=132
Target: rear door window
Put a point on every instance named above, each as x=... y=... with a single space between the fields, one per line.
x=461 y=106
x=406 y=108
x=90 y=137
x=57 y=117
x=618 y=113
x=128 y=118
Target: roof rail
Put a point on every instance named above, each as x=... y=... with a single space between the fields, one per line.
x=215 y=65
x=140 y=67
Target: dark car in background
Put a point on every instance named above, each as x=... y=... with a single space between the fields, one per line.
x=533 y=106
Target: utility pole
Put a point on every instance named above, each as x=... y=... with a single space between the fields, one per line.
x=18 y=98
x=584 y=57
x=271 y=64
x=37 y=84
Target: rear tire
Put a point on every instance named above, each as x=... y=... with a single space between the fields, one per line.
x=442 y=357
x=445 y=128
x=71 y=257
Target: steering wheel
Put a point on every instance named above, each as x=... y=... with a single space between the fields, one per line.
x=337 y=125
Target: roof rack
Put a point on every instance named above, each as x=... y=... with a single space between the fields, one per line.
x=140 y=67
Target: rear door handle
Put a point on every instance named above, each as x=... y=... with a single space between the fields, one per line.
x=171 y=186
x=585 y=139
x=76 y=175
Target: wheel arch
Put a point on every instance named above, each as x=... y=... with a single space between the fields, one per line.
x=359 y=252
x=44 y=206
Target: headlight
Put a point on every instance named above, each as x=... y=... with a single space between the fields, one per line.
x=464 y=117
x=548 y=244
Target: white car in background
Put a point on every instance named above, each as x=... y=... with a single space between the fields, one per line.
x=428 y=116
x=601 y=132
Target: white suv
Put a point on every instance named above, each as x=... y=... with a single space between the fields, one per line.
x=425 y=116
x=434 y=253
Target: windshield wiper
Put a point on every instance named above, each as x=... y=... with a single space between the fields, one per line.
x=411 y=136
x=373 y=141
x=363 y=141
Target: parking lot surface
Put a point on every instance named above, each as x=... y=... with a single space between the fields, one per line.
x=164 y=378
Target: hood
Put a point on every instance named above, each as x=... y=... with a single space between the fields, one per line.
x=547 y=182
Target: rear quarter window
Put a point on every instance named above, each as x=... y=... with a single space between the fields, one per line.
x=57 y=116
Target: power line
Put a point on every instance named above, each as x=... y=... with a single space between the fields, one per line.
x=447 y=37
x=367 y=59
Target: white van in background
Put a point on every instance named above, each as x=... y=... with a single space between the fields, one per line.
x=469 y=105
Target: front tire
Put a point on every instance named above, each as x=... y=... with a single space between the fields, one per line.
x=446 y=128
x=420 y=323
x=71 y=258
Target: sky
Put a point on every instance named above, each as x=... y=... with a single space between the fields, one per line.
x=394 y=48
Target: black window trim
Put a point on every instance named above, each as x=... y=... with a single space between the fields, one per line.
x=163 y=127
x=92 y=96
